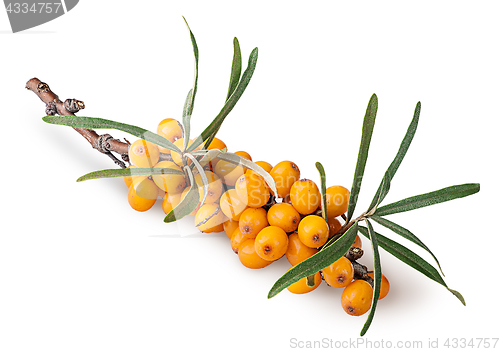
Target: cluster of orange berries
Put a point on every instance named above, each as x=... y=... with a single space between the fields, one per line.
x=262 y=226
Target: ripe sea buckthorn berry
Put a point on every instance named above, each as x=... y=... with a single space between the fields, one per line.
x=334 y=225
x=143 y=153
x=170 y=183
x=244 y=155
x=356 y=298
x=232 y=206
x=128 y=179
x=297 y=251
x=208 y=217
x=313 y=231
x=217 y=228
x=249 y=257
x=271 y=243
x=177 y=157
x=384 y=285
x=357 y=242
x=142 y=193
x=265 y=165
x=340 y=273
x=305 y=196
x=170 y=129
x=283 y=215
x=337 y=201
x=230 y=226
x=301 y=287
x=252 y=220
x=217 y=144
x=171 y=201
x=214 y=187
x=285 y=174
x=237 y=239
x=252 y=190
x=228 y=172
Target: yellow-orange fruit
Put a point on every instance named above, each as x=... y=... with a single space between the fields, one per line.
x=252 y=190
x=305 y=196
x=216 y=144
x=252 y=220
x=208 y=217
x=231 y=205
x=217 y=228
x=230 y=226
x=340 y=273
x=228 y=172
x=170 y=183
x=356 y=298
x=170 y=129
x=334 y=225
x=337 y=201
x=283 y=215
x=237 y=239
x=297 y=251
x=142 y=193
x=142 y=153
x=271 y=243
x=284 y=174
x=128 y=179
x=177 y=157
x=384 y=285
x=265 y=165
x=300 y=287
x=249 y=257
x=313 y=231
x=214 y=187
x=244 y=155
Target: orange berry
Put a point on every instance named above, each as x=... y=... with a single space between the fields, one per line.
x=230 y=226
x=177 y=157
x=301 y=287
x=340 y=273
x=169 y=183
x=217 y=144
x=384 y=285
x=231 y=205
x=228 y=172
x=244 y=155
x=252 y=220
x=285 y=174
x=209 y=216
x=283 y=215
x=337 y=201
x=305 y=196
x=249 y=257
x=356 y=298
x=357 y=242
x=334 y=225
x=167 y=204
x=142 y=153
x=271 y=243
x=265 y=165
x=297 y=251
x=217 y=228
x=252 y=190
x=237 y=239
x=170 y=129
x=214 y=187
x=128 y=179
x=313 y=231
x=142 y=193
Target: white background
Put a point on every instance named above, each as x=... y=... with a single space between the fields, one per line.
x=81 y=271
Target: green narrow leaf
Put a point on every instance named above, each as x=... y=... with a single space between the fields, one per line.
x=238 y=160
x=322 y=176
x=377 y=277
x=317 y=262
x=410 y=258
x=190 y=105
x=366 y=136
x=186 y=118
x=384 y=189
x=424 y=200
x=203 y=176
x=209 y=133
x=96 y=123
x=235 y=68
x=403 y=148
x=108 y=173
x=188 y=203
x=400 y=230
